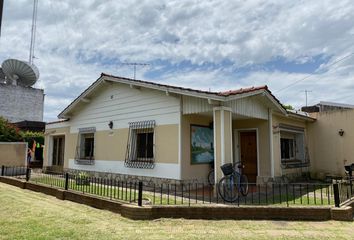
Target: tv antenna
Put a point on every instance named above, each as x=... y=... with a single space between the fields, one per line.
x=134 y=64
x=306 y=92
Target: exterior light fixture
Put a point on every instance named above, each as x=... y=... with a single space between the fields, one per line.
x=110 y=124
x=341 y=132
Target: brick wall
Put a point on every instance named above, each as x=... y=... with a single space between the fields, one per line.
x=19 y=103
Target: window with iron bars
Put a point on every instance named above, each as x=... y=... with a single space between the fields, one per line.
x=140 y=146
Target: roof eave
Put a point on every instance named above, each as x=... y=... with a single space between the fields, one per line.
x=299 y=116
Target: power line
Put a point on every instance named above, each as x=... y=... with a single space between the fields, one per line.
x=309 y=75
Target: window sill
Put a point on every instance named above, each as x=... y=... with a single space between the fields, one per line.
x=294 y=164
x=85 y=161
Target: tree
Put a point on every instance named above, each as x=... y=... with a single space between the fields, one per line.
x=9 y=132
x=288 y=107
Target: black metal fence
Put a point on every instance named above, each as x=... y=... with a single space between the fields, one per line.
x=141 y=193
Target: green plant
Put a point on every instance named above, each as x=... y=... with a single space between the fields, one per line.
x=30 y=137
x=83 y=175
x=288 y=107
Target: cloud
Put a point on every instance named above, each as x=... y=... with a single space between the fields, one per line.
x=226 y=45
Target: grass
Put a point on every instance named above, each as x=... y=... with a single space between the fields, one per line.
x=128 y=193
x=316 y=195
x=29 y=215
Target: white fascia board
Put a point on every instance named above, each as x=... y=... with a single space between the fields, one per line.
x=259 y=92
x=278 y=105
x=298 y=116
x=168 y=89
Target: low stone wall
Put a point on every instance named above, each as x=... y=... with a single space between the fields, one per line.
x=194 y=212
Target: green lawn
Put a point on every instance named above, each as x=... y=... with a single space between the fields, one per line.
x=29 y=215
x=320 y=195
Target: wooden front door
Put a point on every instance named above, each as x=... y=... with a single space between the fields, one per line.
x=248 y=144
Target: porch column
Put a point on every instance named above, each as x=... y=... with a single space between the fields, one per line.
x=222 y=139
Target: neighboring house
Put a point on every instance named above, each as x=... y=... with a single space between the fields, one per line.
x=327 y=107
x=157 y=131
x=331 y=138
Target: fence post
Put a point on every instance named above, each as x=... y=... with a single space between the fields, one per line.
x=140 y=194
x=28 y=174
x=336 y=194
x=2 y=170
x=66 y=181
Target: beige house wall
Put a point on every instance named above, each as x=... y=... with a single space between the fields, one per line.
x=277 y=119
x=70 y=144
x=13 y=154
x=188 y=170
x=112 y=145
x=330 y=152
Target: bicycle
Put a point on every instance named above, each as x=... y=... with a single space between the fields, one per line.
x=233 y=183
x=211 y=174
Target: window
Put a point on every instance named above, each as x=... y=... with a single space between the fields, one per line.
x=287 y=149
x=145 y=145
x=85 y=149
x=140 y=146
x=292 y=147
x=87 y=146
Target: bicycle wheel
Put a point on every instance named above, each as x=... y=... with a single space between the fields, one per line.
x=227 y=189
x=243 y=185
x=211 y=177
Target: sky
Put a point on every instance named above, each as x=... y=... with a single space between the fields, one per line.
x=216 y=45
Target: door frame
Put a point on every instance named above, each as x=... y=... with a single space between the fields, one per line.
x=236 y=145
x=50 y=149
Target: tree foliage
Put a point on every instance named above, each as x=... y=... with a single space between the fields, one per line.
x=288 y=107
x=10 y=133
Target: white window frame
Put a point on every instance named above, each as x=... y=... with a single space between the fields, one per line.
x=293 y=157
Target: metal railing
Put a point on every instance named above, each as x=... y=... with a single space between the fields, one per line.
x=142 y=193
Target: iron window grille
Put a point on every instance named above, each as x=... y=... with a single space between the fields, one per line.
x=140 y=146
x=85 y=148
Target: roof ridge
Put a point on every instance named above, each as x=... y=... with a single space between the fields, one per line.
x=220 y=93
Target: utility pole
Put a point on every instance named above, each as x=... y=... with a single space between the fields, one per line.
x=134 y=64
x=306 y=91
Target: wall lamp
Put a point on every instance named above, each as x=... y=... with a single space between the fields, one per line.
x=341 y=132
x=110 y=124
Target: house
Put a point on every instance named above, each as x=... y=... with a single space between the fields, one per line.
x=161 y=132
x=331 y=138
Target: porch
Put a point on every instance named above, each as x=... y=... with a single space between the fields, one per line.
x=240 y=130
